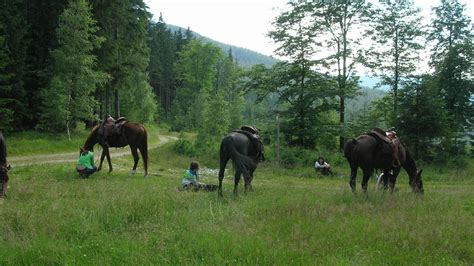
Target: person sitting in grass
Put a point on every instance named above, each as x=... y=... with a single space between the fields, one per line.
x=191 y=179
x=85 y=164
x=322 y=166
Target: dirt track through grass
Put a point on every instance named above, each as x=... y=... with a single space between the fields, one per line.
x=72 y=156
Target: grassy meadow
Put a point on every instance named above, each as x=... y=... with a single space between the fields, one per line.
x=50 y=216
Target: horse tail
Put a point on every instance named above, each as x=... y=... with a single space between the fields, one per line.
x=144 y=149
x=241 y=161
x=348 y=148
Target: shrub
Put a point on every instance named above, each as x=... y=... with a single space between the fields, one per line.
x=184 y=147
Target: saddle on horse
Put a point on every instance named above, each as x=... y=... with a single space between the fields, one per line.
x=111 y=127
x=388 y=137
x=254 y=137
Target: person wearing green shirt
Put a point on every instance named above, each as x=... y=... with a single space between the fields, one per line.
x=85 y=164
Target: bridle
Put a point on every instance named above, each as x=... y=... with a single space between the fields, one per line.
x=4 y=169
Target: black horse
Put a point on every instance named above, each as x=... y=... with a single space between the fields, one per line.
x=369 y=152
x=132 y=134
x=4 y=167
x=246 y=151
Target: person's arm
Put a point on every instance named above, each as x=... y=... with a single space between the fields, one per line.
x=317 y=165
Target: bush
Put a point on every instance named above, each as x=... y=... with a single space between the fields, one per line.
x=184 y=147
x=294 y=156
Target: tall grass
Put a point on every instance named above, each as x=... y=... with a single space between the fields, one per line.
x=292 y=217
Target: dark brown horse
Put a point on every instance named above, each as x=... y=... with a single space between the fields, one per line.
x=245 y=156
x=132 y=134
x=369 y=153
x=4 y=167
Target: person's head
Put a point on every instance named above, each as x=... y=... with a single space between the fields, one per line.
x=194 y=166
x=392 y=129
x=321 y=159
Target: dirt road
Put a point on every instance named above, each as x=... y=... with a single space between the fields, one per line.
x=72 y=156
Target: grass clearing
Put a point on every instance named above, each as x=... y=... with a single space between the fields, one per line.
x=292 y=217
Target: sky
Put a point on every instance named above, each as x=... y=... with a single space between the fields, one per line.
x=243 y=23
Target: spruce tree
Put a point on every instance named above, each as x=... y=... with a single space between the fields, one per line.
x=68 y=96
x=6 y=93
x=422 y=119
x=452 y=58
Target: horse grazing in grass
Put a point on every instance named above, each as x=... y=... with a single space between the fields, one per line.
x=246 y=151
x=369 y=152
x=132 y=134
x=4 y=167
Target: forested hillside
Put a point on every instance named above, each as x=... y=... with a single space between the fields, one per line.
x=66 y=63
x=243 y=56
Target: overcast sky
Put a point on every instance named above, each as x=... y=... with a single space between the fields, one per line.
x=243 y=23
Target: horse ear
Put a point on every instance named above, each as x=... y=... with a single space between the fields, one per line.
x=419 y=172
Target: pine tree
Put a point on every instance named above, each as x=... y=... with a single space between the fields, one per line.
x=6 y=112
x=452 y=58
x=42 y=22
x=124 y=55
x=13 y=17
x=422 y=120
x=195 y=72
x=161 y=68
x=68 y=98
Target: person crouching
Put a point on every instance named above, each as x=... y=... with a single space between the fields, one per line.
x=85 y=165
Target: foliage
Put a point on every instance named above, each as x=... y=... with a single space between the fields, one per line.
x=423 y=109
x=67 y=98
x=452 y=57
x=195 y=72
x=398 y=36
x=449 y=27
x=6 y=114
x=184 y=147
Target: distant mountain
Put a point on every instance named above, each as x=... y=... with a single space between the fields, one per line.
x=361 y=103
x=243 y=56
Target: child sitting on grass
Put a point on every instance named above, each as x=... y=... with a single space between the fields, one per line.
x=191 y=179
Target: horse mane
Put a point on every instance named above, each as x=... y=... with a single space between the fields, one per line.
x=409 y=161
x=90 y=139
x=3 y=150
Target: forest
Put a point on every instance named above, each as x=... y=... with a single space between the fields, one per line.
x=65 y=64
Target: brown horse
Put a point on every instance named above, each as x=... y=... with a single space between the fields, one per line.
x=369 y=153
x=4 y=167
x=133 y=134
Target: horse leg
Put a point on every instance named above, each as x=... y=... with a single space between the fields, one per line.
x=3 y=189
x=135 y=160
x=393 y=179
x=223 y=163
x=144 y=153
x=352 y=181
x=248 y=180
x=102 y=156
x=237 y=176
x=365 y=179
x=107 y=155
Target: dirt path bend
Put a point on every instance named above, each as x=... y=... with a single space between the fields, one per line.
x=72 y=156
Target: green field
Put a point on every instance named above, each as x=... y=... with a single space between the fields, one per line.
x=50 y=216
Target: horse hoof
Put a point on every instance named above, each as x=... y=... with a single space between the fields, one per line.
x=132 y=172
